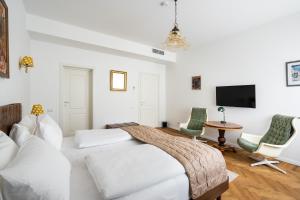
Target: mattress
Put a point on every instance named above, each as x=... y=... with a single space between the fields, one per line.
x=83 y=186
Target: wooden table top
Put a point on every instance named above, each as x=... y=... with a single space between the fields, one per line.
x=219 y=125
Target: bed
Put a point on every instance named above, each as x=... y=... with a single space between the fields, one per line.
x=82 y=184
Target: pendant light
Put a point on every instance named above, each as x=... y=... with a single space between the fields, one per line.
x=175 y=40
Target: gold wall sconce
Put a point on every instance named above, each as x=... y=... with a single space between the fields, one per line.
x=26 y=62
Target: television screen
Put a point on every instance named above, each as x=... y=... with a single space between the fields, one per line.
x=236 y=96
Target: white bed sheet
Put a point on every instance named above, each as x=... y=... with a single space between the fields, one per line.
x=100 y=137
x=84 y=188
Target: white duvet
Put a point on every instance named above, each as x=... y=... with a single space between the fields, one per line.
x=99 y=137
x=119 y=173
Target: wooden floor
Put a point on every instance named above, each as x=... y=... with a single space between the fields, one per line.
x=258 y=183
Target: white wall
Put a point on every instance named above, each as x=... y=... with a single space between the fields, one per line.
x=255 y=57
x=16 y=89
x=109 y=106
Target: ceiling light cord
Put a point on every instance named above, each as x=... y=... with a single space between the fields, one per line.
x=175 y=40
x=176 y=13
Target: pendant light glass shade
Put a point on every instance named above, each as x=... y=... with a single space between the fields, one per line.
x=175 y=40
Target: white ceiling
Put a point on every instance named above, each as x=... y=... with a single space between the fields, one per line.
x=147 y=22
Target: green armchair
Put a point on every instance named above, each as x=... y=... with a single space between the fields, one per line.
x=195 y=124
x=279 y=136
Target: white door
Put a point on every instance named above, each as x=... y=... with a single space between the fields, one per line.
x=149 y=97
x=76 y=99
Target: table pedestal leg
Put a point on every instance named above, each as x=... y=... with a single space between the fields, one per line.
x=221 y=139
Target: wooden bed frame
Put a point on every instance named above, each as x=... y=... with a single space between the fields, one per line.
x=12 y=113
x=9 y=115
x=216 y=192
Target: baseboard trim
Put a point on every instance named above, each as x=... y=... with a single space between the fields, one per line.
x=288 y=160
x=281 y=158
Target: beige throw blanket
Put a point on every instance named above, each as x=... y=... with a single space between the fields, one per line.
x=204 y=165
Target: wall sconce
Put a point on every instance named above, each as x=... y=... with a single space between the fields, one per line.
x=26 y=62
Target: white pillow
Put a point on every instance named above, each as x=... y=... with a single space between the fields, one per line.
x=29 y=121
x=38 y=171
x=19 y=134
x=8 y=150
x=50 y=131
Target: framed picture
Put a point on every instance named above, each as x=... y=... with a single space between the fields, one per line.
x=196 y=82
x=293 y=73
x=4 y=57
x=118 y=80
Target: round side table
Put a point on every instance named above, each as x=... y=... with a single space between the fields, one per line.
x=222 y=128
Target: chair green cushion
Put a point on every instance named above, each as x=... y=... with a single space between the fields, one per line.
x=280 y=130
x=195 y=124
x=248 y=146
x=198 y=117
x=191 y=132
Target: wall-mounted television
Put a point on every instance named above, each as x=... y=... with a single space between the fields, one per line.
x=236 y=96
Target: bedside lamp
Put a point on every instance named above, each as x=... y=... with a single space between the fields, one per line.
x=222 y=109
x=37 y=110
x=26 y=62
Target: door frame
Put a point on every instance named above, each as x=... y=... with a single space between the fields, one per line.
x=158 y=95
x=61 y=104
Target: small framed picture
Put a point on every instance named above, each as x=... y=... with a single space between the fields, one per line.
x=196 y=82
x=118 y=80
x=293 y=73
x=4 y=57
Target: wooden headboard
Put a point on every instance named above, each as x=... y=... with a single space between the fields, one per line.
x=9 y=115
